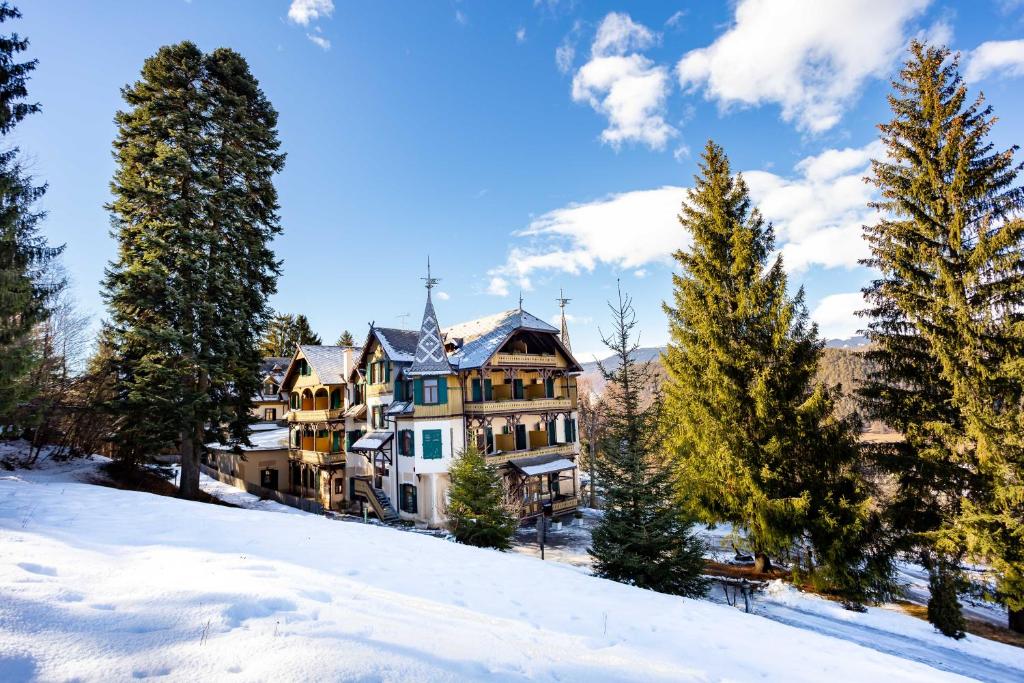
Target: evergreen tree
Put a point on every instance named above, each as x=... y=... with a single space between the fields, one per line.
x=304 y=334
x=479 y=511
x=25 y=288
x=284 y=332
x=759 y=444
x=949 y=328
x=645 y=537
x=346 y=339
x=194 y=211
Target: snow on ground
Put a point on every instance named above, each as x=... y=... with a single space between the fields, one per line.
x=99 y=584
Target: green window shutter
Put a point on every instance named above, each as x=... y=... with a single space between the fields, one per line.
x=517 y=389
x=478 y=393
x=442 y=390
x=520 y=437
x=489 y=439
x=551 y=432
x=432 y=444
x=399 y=396
x=488 y=390
x=549 y=387
x=387 y=372
x=417 y=391
x=412 y=443
x=336 y=442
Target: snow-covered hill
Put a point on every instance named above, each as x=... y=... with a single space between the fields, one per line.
x=98 y=584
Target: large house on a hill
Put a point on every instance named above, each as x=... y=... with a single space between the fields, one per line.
x=378 y=426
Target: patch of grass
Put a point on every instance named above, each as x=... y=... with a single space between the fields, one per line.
x=148 y=480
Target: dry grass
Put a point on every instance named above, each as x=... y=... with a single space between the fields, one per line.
x=975 y=627
x=146 y=481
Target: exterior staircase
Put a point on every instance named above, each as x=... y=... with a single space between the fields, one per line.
x=378 y=500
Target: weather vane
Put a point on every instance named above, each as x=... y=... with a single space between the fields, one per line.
x=431 y=281
x=562 y=301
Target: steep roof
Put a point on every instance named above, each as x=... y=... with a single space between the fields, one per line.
x=399 y=345
x=483 y=337
x=328 y=362
x=430 y=357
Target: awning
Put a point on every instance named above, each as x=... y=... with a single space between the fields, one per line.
x=399 y=408
x=356 y=411
x=373 y=441
x=545 y=464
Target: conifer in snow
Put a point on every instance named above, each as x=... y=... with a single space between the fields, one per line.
x=479 y=507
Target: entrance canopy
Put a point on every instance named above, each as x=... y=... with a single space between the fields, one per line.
x=544 y=464
x=374 y=441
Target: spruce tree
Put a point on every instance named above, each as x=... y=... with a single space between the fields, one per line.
x=25 y=288
x=286 y=331
x=304 y=334
x=479 y=512
x=345 y=339
x=193 y=213
x=759 y=444
x=645 y=537
x=949 y=326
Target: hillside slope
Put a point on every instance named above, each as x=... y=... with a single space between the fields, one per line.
x=99 y=584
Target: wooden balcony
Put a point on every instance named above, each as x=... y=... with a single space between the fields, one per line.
x=316 y=457
x=517 y=406
x=560 y=506
x=507 y=456
x=534 y=360
x=316 y=415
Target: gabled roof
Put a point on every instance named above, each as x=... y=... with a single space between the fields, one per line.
x=430 y=357
x=483 y=337
x=328 y=362
x=399 y=345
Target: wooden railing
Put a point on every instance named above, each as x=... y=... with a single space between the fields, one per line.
x=316 y=415
x=558 y=507
x=363 y=488
x=563 y=505
x=518 y=406
x=527 y=359
x=557 y=449
x=317 y=457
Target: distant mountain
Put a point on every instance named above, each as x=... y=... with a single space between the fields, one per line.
x=855 y=342
x=592 y=374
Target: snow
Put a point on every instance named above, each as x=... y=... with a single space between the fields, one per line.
x=99 y=584
x=545 y=468
x=371 y=441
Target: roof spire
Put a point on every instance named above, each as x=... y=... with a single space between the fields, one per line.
x=562 y=301
x=430 y=357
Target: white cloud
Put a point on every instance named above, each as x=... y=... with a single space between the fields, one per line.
x=836 y=315
x=319 y=41
x=461 y=17
x=623 y=85
x=571 y=319
x=818 y=214
x=676 y=19
x=995 y=58
x=808 y=56
x=564 y=56
x=521 y=34
x=443 y=296
x=304 y=11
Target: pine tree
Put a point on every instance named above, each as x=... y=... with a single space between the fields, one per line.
x=286 y=331
x=759 y=443
x=25 y=288
x=949 y=328
x=194 y=211
x=304 y=334
x=346 y=339
x=644 y=537
x=479 y=512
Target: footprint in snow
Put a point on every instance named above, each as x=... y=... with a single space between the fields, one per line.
x=41 y=569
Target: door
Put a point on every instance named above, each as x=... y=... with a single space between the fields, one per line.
x=268 y=479
x=520 y=437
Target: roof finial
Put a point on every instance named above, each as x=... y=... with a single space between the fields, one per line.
x=431 y=281
x=562 y=301
x=520 y=302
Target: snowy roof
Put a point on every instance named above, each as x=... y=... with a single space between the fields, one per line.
x=543 y=464
x=430 y=358
x=372 y=441
x=399 y=345
x=263 y=438
x=483 y=337
x=400 y=408
x=356 y=411
x=327 y=361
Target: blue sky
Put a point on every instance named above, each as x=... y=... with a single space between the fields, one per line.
x=525 y=146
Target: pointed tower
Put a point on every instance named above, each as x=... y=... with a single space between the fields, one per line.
x=562 y=301
x=430 y=357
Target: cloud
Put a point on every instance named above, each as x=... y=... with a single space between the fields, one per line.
x=623 y=85
x=836 y=315
x=818 y=213
x=305 y=11
x=809 y=57
x=676 y=19
x=461 y=17
x=521 y=34
x=319 y=41
x=564 y=56
x=995 y=58
x=570 y=318
x=443 y=296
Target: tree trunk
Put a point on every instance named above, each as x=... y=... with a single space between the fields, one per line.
x=1016 y=620
x=762 y=563
x=188 y=484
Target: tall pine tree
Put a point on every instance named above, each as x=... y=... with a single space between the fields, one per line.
x=759 y=444
x=644 y=538
x=25 y=288
x=284 y=332
x=948 y=329
x=479 y=512
x=194 y=211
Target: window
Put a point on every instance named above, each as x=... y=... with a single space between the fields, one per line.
x=406 y=442
x=552 y=425
x=352 y=437
x=517 y=389
x=270 y=414
x=335 y=399
x=295 y=401
x=378 y=420
x=297 y=438
x=432 y=444
x=335 y=442
x=339 y=486
x=520 y=437
x=408 y=503
x=430 y=391
x=549 y=387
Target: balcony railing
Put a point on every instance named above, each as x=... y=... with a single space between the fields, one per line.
x=517 y=405
x=527 y=359
x=316 y=415
x=560 y=506
x=316 y=457
x=507 y=456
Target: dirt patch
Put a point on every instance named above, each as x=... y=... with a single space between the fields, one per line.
x=975 y=627
x=147 y=481
x=743 y=571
